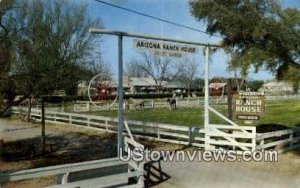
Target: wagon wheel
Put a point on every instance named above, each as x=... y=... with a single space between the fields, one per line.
x=217 y=90
x=102 y=92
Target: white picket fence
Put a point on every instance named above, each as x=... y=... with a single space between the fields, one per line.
x=282 y=97
x=233 y=136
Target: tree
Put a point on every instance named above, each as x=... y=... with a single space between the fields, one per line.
x=188 y=70
x=254 y=85
x=259 y=32
x=52 y=45
x=134 y=70
x=156 y=67
x=293 y=76
x=241 y=71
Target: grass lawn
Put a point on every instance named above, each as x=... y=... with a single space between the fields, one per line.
x=283 y=112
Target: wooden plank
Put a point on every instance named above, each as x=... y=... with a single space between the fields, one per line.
x=59 y=169
x=272 y=144
x=160 y=125
x=243 y=146
x=277 y=133
x=248 y=128
x=173 y=134
x=198 y=130
x=133 y=143
x=106 y=181
x=163 y=140
x=231 y=140
x=198 y=145
x=199 y=138
x=128 y=130
x=232 y=135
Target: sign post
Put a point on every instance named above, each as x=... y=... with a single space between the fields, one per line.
x=249 y=106
x=120 y=95
x=206 y=98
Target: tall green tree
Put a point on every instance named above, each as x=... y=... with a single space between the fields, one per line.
x=292 y=76
x=256 y=32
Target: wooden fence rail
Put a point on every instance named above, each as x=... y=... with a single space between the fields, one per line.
x=282 y=141
x=220 y=136
x=156 y=131
x=64 y=172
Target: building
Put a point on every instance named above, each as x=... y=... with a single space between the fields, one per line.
x=275 y=87
x=138 y=85
x=148 y=85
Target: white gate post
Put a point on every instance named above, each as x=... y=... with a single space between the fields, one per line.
x=206 y=101
x=120 y=94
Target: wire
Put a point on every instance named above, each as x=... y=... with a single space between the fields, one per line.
x=156 y=18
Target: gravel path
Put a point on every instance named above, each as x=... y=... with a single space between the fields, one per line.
x=11 y=130
x=223 y=175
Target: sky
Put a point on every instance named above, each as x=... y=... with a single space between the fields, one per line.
x=172 y=10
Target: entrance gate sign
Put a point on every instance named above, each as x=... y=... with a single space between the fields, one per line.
x=249 y=105
x=165 y=49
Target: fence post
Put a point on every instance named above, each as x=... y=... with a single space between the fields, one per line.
x=70 y=119
x=158 y=133
x=88 y=107
x=152 y=104
x=291 y=139
x=262 y=142
x=106 y=125
x=254 y=139
x=62 y=179
x=63 y=106
x=191 y=135
x=88 y=121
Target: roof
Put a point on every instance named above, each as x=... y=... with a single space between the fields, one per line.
x=144 y=81
x=277 y=84
x=140 y=82
x=148 y=82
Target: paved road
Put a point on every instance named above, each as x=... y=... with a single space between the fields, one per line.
x=223 y=175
